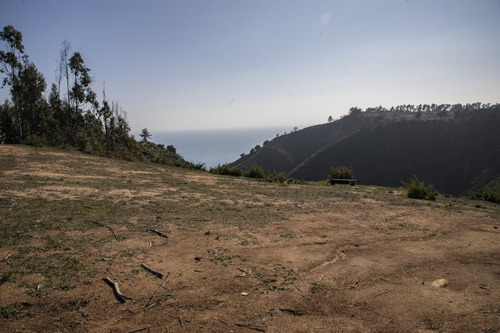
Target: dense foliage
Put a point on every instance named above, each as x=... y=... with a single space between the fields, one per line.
x=227 y=170
x=341 y=172
x=417 y=189
x=72 y=115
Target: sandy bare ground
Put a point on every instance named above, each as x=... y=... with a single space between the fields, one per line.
x=241 y=255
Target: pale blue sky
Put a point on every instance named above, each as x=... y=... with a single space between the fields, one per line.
x=193 y=64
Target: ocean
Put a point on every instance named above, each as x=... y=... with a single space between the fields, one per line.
x=213 y=147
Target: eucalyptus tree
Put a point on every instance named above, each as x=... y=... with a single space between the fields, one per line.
x=30 y=113
x=11 y=60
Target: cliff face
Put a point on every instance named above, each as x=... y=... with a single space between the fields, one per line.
x=455 y=151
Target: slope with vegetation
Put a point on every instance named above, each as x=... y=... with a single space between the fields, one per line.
x=456 y=148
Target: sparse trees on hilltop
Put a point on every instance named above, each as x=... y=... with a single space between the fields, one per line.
x=71 y=115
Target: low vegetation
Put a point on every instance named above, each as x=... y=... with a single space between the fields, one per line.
x=417 y=189
x=488 y=195
x=341 y=172
x=227 y=170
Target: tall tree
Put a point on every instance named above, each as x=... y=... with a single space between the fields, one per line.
x=12 y=59
x=31 y=103
x=80 y=94
x=63 y=71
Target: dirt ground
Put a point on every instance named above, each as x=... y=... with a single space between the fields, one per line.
x=241 y=255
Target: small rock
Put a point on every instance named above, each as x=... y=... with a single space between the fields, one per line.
x=197 y=258
x=244 y=294
x=440 y=283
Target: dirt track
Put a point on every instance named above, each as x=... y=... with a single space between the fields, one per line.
x=241 y=255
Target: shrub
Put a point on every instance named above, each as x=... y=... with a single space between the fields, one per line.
x=341 y=172
x=418 y=190
x=488 y=195
x=35 y=141
x=226 y=169
x=187 y=165
x=276 y=177
x=255 y=171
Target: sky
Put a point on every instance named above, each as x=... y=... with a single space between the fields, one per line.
x=209 y=64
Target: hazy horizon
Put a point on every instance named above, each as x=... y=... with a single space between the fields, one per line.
x=185 y=65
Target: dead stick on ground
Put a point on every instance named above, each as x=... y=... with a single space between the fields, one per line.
x=113 y=232
x=8 y=256
x=152 y=271
x=119 y=296
x=161 y=299
x=141 y=329
x=161 y=285
x=255 y=328
x=159 y=233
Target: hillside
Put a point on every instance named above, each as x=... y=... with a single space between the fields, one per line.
x=456 y=150
x=236 y=254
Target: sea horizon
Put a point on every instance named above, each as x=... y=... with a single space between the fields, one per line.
x=216 y=146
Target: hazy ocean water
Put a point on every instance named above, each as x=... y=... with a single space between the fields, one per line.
x=214 y=147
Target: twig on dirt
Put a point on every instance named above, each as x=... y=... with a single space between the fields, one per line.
x=255 y=328
x=113 y=232
x=180 y=321
x=119 y=296
x=152 y=271
x=385 y=280
x=161 y=299
x=292 y=312
x=142 y=329
x=159 y=233
x=153 y=295
x=243 y=272
x=382 y=293
x=8 y=256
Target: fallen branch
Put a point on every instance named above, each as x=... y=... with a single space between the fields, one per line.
x=159 y=233
x=243 y=272
x=113 y=232
x=141 y=329
x=161 y=285
x=292 y=312
x=8 y=256
x=161 y=299
x=152 y=271
x=119 y=296
x=255 y=328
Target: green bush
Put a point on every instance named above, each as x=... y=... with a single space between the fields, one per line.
x=488 y=195
x=35 y=141
x=255 y=171
x=226 y=169
x=418 y=190
x=341 y=172
x=276 y=177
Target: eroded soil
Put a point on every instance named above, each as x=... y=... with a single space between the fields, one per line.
x=241 y=255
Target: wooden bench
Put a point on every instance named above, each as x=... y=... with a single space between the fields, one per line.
x=351 y=182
